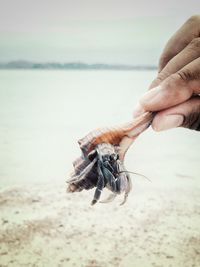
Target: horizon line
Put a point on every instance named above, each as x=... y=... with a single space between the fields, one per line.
x=79 y=65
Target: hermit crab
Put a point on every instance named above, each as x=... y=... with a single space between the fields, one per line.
x=102 y=161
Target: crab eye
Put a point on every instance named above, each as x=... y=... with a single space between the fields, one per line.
x=113 y=157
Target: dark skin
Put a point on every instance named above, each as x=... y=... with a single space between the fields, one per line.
x=175 y=93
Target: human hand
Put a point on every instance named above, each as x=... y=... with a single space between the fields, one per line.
x=175 y=93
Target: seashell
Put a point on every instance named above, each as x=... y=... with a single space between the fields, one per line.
x=122 y=136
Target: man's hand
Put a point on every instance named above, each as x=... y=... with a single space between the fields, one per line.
x=175 y=93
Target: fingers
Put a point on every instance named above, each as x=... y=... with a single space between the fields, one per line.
x=186 y=115
x=187 y=55
x=180 y=40
x=175 y=89
x=179 y=71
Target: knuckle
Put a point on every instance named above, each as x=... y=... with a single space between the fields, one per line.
x=195 y=43
x=188 y=75
x=185 y=75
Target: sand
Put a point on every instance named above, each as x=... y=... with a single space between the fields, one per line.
x=41 y=225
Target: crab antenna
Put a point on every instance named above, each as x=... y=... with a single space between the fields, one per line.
x=139 y=174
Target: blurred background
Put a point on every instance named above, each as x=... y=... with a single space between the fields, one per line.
x=126 y=32
x=67 y=67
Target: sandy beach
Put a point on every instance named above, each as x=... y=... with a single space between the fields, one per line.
x=42 y=225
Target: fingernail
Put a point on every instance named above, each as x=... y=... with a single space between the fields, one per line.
x=138 y=110
x=168 y=122
x=151 y=95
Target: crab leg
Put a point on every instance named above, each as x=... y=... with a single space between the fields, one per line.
x=99 y=186
x=127 y=191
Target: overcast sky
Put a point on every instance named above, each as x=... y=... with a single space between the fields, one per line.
x=109 y=31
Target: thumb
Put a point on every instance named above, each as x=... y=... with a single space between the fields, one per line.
x=185 y=115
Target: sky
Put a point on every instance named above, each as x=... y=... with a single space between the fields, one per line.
x=92 y=31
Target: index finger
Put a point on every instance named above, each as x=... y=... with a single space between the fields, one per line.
x=175 y=89
x=189 y=31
